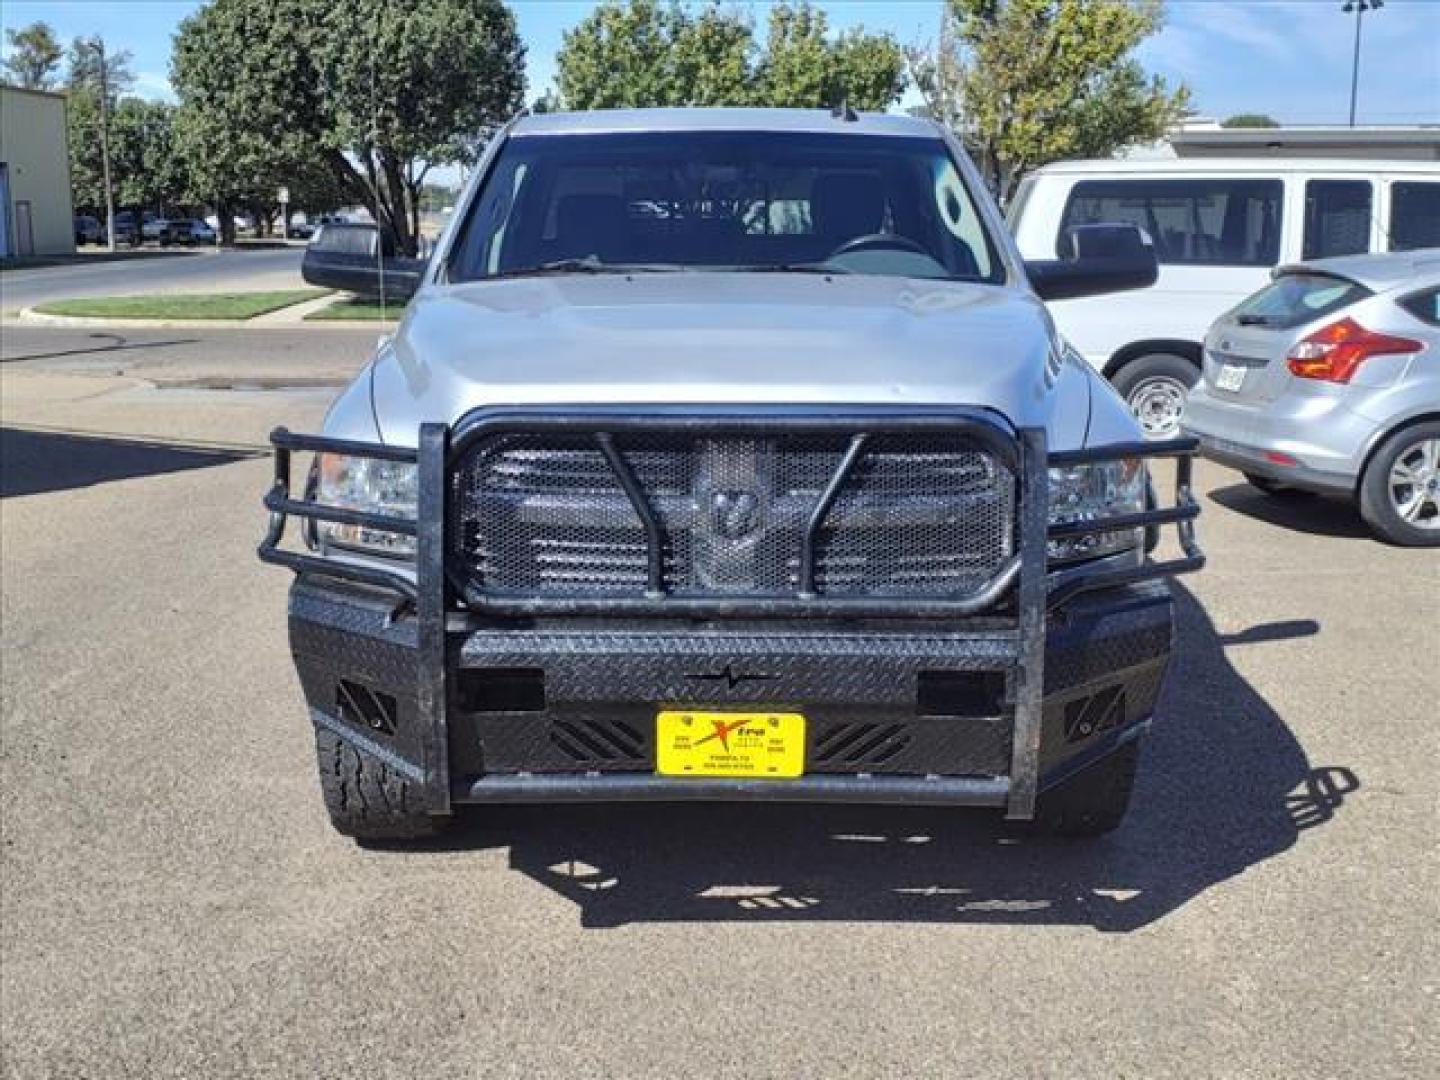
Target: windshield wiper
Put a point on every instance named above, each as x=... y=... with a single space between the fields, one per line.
x=1252 y=320
x=588 y=265
x=787 y=268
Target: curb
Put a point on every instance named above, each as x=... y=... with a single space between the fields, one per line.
x=31 y=317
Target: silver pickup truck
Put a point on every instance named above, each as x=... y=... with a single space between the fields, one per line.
x=730 y=454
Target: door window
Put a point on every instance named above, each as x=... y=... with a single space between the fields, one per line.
x=1425 y=306
x=1200 y=222
x=1337 y=218
x=1414 y=215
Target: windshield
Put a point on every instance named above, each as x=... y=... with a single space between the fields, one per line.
x=759 y=201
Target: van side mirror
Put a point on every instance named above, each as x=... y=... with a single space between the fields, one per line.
x=350 y=257
x=1095 y=259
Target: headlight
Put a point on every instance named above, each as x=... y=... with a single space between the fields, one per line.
x=371 y=485
x=1092 y=492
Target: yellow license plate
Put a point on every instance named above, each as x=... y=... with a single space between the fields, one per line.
x=763 y=744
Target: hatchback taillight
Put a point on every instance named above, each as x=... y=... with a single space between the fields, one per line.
x=1334 y=353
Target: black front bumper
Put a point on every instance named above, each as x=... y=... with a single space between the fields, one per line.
x=567 y=711
x=981 y=699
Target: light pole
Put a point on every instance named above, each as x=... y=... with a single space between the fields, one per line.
x=1359 y=7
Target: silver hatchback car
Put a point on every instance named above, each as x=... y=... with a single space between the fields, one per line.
x=1328 y=380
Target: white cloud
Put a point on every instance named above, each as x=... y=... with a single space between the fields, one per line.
x=153 y=85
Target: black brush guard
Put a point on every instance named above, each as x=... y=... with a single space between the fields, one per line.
x=433 y=588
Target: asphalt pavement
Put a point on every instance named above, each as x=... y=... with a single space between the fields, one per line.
x=173 y=903
x=154 y=271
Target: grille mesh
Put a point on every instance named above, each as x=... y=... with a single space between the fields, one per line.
x=918 y=515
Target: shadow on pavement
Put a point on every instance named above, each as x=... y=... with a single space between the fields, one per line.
x=1223 y=785
x=1298 y=511
x=32 y=462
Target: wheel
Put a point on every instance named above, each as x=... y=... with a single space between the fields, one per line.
x=1094 y=800
x=1400 y=488
x=366 y=798
x=1272 y=487
x=1154 y=387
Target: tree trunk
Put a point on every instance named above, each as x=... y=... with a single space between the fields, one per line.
x=226 y=220
x=406 y=234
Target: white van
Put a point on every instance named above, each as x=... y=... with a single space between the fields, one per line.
x=1219 y=226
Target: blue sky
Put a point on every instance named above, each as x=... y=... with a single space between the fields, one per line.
x=1288 y=58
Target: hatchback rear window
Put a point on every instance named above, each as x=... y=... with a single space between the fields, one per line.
x=1295 y=299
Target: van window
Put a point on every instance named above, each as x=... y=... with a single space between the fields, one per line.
x=1204 y=222
x=1414 y=215
x=1337 y=218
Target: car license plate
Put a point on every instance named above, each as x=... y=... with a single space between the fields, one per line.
x=760 y=744
x=1231 y=377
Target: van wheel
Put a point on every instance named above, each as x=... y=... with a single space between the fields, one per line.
x=1400 y=489
x=1154 y=387
x=1093 y=801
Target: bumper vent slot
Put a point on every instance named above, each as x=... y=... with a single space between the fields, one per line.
x=860 y=744
x=358 y=704
x=592 y=741
x=1089 y=716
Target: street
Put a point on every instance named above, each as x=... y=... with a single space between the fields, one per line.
x=175 y=904
x=155 y=271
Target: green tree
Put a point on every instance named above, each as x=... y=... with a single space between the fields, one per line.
x=147 y=170
x=370 y=92
x=1025 y=82
x=410 y=86
x=34 y=58
x=644 y=53
x=803 y=67
x=1249 y=120
x=94 y=67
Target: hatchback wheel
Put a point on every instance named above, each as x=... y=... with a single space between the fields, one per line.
x=1400 y=491
x=1155 y=387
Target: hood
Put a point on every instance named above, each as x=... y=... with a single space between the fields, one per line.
x=720 y=338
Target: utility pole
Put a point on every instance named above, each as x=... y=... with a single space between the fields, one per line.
x=1359 y=7
x=97 y=45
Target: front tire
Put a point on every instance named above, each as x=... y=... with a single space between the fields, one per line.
x=1154 y=388
x=366 y=798
x=1093 y=801
x=1400 y=488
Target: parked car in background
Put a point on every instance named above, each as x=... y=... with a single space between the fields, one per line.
x=187 y=231
x=127 y=228
x=88 y=230
x=300 y=230
x=152 y=228
x=1219 y=226
x=1328 y=380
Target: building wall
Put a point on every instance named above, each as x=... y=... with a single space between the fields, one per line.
x=37 y=170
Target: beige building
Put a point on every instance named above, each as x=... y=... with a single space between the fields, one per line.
x=36 y=216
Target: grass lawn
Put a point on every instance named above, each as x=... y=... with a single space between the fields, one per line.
x=357 y=309
x=181 y=305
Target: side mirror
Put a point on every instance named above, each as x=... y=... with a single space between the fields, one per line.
x=1096 y=259
x=349 y=257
